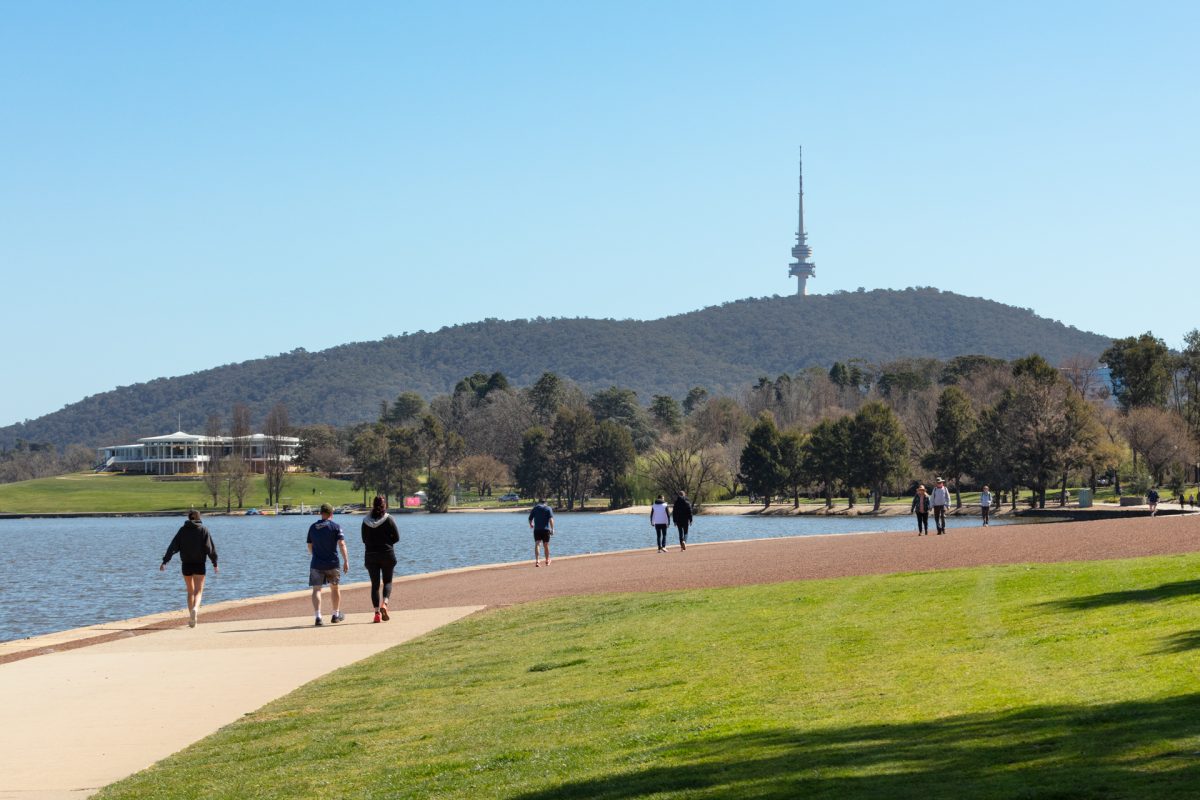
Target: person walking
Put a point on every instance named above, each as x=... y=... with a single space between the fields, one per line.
x=681 y=513
x=194 y=544
x=985 y=505
x=379 y=535
x=920 y=507
x=325 y=541
x=541 y=520
x=940 y=500
x=660 y=518
x=1152 y=499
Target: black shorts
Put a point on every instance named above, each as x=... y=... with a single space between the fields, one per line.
x=542 y=535
x=190 y=568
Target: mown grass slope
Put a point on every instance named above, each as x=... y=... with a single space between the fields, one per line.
x=1047 y=681
x=107 y=492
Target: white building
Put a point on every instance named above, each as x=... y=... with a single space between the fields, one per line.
x=183 y=453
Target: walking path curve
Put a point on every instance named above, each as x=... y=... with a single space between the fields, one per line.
x=100 y=703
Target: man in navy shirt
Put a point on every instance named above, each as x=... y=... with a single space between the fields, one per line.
x=325 y=541
x=541 y=519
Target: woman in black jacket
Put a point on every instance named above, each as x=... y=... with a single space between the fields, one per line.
x=194 y=544
x=379 y=534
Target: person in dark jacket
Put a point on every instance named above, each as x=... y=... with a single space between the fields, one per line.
x=379 y=534
x=920 y=506
x=194 y=544
x=681 y=515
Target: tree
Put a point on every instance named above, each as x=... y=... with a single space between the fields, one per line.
x=1160 y=437
x=275 y=466
x=235 y=473
x=387 y=459
x=621 y=406
x=437 y=494
x=878 y=447
x=534 y=470
x=407 y=407
x=239 y=428
x=696 y=397
x=1139 y=369
x=954 y=438
x=666 y=413
x=213 y=480
x=761 y=461
x=546 y=395
x=792 y=448
x=1035 y=424
x=612 y=455
x=484 y=472
x=569 y=448
x=681 y=463
x=721 y=421
x=825 y=454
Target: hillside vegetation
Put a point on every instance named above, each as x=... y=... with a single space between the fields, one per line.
x=721 y=348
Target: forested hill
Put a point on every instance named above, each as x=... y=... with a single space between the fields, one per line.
x=722 y=348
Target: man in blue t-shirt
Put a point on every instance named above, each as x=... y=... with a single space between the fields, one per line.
x=541 y=519
x=325 y=541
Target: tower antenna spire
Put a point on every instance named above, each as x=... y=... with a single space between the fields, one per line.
x=802 y=269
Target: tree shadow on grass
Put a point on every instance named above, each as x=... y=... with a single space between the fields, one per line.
x=1181 y=642
x=1121 y=750
x=1166 y=591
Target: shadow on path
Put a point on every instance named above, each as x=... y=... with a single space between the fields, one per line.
x=1124 y=750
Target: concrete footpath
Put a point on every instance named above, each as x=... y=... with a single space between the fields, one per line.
x=79 y=719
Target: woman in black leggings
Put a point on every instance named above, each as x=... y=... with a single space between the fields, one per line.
x=379 y=534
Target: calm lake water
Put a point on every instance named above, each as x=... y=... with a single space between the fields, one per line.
x=57 y=574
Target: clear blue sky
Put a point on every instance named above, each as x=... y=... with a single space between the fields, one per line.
x=188 y=185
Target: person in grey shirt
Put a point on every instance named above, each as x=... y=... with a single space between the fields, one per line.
x=985 y=504
x=940 y=499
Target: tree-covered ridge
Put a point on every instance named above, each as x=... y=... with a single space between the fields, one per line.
x=721 y=348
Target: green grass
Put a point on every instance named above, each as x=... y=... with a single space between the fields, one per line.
x=102 y=492
x=1047 y=681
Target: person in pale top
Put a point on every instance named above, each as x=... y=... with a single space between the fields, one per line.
x=660 y=518
x=985 y=504
x=940 y=501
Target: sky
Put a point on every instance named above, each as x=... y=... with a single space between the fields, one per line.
x=185 y=185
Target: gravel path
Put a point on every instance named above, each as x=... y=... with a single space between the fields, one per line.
x=769 y=561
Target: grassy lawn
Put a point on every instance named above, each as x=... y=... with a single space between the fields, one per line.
x=89 y=491
x=1047 y=681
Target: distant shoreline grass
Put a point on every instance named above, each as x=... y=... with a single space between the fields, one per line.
x=116 y=493
x=1071 y=680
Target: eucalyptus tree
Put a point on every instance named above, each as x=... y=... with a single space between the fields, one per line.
x=955 y=438
x=878 y=447
x=1139 y=369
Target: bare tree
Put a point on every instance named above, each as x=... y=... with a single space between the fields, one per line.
x=239 y=428
x=235 y=475
x=1083 y=373
x=275 y=466
x=484 y=472
x=1159 y=436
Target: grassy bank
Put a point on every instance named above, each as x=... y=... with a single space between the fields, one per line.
x=1047 y=681
x=104 y=492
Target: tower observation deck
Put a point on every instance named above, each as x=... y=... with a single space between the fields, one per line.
x=802 y=269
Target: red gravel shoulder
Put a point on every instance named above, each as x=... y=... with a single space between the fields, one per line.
x=774 y=561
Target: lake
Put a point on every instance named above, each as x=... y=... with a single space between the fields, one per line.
x=57 y=574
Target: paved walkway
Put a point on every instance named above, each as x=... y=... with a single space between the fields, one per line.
x=97 y=704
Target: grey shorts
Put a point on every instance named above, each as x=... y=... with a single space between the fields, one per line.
x=320 y=577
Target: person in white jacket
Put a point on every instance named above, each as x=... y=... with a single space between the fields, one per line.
x=940 y=499
x=660 y=518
